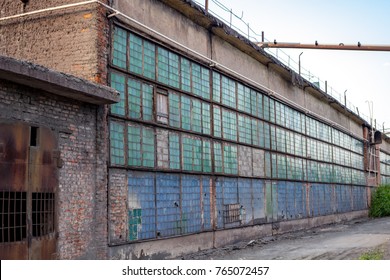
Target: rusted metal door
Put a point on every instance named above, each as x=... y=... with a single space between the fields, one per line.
x=28 y=182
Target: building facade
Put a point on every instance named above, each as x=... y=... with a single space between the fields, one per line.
x=213 y=141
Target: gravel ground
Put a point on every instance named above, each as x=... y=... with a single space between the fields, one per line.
x=342 y=241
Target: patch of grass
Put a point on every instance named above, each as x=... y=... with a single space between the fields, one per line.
x=380 y=202
x=372 y=255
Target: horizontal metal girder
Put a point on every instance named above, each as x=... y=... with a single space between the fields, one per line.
x=341 y=46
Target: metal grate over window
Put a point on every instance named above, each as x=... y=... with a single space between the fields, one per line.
x=232 y=213
x=42 y=214
x=13 y=216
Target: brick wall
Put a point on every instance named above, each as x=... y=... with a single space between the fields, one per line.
x=74 y=41
x=82 y=179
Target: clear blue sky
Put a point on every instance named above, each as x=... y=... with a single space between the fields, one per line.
x=365 y=75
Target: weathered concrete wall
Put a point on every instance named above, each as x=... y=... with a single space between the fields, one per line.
x=82 y=227
x=73 y=41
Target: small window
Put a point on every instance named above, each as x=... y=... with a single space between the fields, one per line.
x=162 y=107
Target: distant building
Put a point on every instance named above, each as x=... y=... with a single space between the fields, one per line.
x=213 y=141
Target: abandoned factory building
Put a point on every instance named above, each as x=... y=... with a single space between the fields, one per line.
x=152 y=129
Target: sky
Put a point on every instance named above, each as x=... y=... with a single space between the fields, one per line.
x=363 y=76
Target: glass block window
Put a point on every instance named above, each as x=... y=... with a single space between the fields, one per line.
x=185 y=69
x=274 y=161
x=228 y=87
x=280 y=113
x=230 y=159
x=117 y=143
x=185 y=112
x=174 y=109
x=253 y=102
x=218 y=164
x=267 y=136
x=196 y=116
x=136 y=53
x=217 y=121
x=119 y=48
x=244 y=98
x=140 y=100
x=273 y=137
x=244 y=129
x=192 y=153
x=174 y=150
x=142 y=57
x=206 y=118
x=261 y=133
x=290 y=147
x=271 y=110
x=200 y=81
x=313 y=175
x=255 y=132
x=282 y=167
x=229 y=125
x=118 y=82
x=311 y=125
x=206 y=156
x=168 y=68
x=260 y=110
x=268 y=166
x=281 y=140
x=266 y=110
x=216 y=87
x=141 y=146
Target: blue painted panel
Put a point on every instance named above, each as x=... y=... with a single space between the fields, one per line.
x=290 y=200
x=230 y=191
x=281 y=198
x=219 y=201
x=245 y=196
x=168 y=204
x=258 y=200
x=206 y=203
x=141 y=205
x=191 y=220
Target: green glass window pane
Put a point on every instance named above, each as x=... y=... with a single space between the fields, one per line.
x=134 y=149
x=134 y=91
x=281 y=140
x=267 y=136
x=228 y=92
x=147 y=102
x=260 y=110
x=273 y=138
x=196 y=80
x=271 y=110
x=119 y=47
x=255 y=133
x=217 y=121
x=185 y=74
x=118 y=83
x=185 y=112
x=163 y=66
x=206 y=156
x=174 y=109
x=267 y=163
x=217 y=157
x=230 y=159
x=253 y=95
x=136 y=47
x=174 y=151
x=274 y=166
x=149 y=60
x=240 y=97
x=266 y=110
x=261 y=134
x=196 y=116
x=174 y=79
x=205 y=82
x=148 y=147
x=117 y=143
x=205 y=118
x=282 y=167
x=229 y=125
x=216 y=87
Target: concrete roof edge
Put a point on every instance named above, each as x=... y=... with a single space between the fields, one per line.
x=58 y=83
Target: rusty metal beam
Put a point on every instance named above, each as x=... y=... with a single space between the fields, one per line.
x=341 y=46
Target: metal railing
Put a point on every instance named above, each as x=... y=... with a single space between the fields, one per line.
x=236 y=22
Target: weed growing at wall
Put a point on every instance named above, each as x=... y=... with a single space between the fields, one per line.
x=380 y=203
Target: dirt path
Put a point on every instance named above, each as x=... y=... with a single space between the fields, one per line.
x=346 y=241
